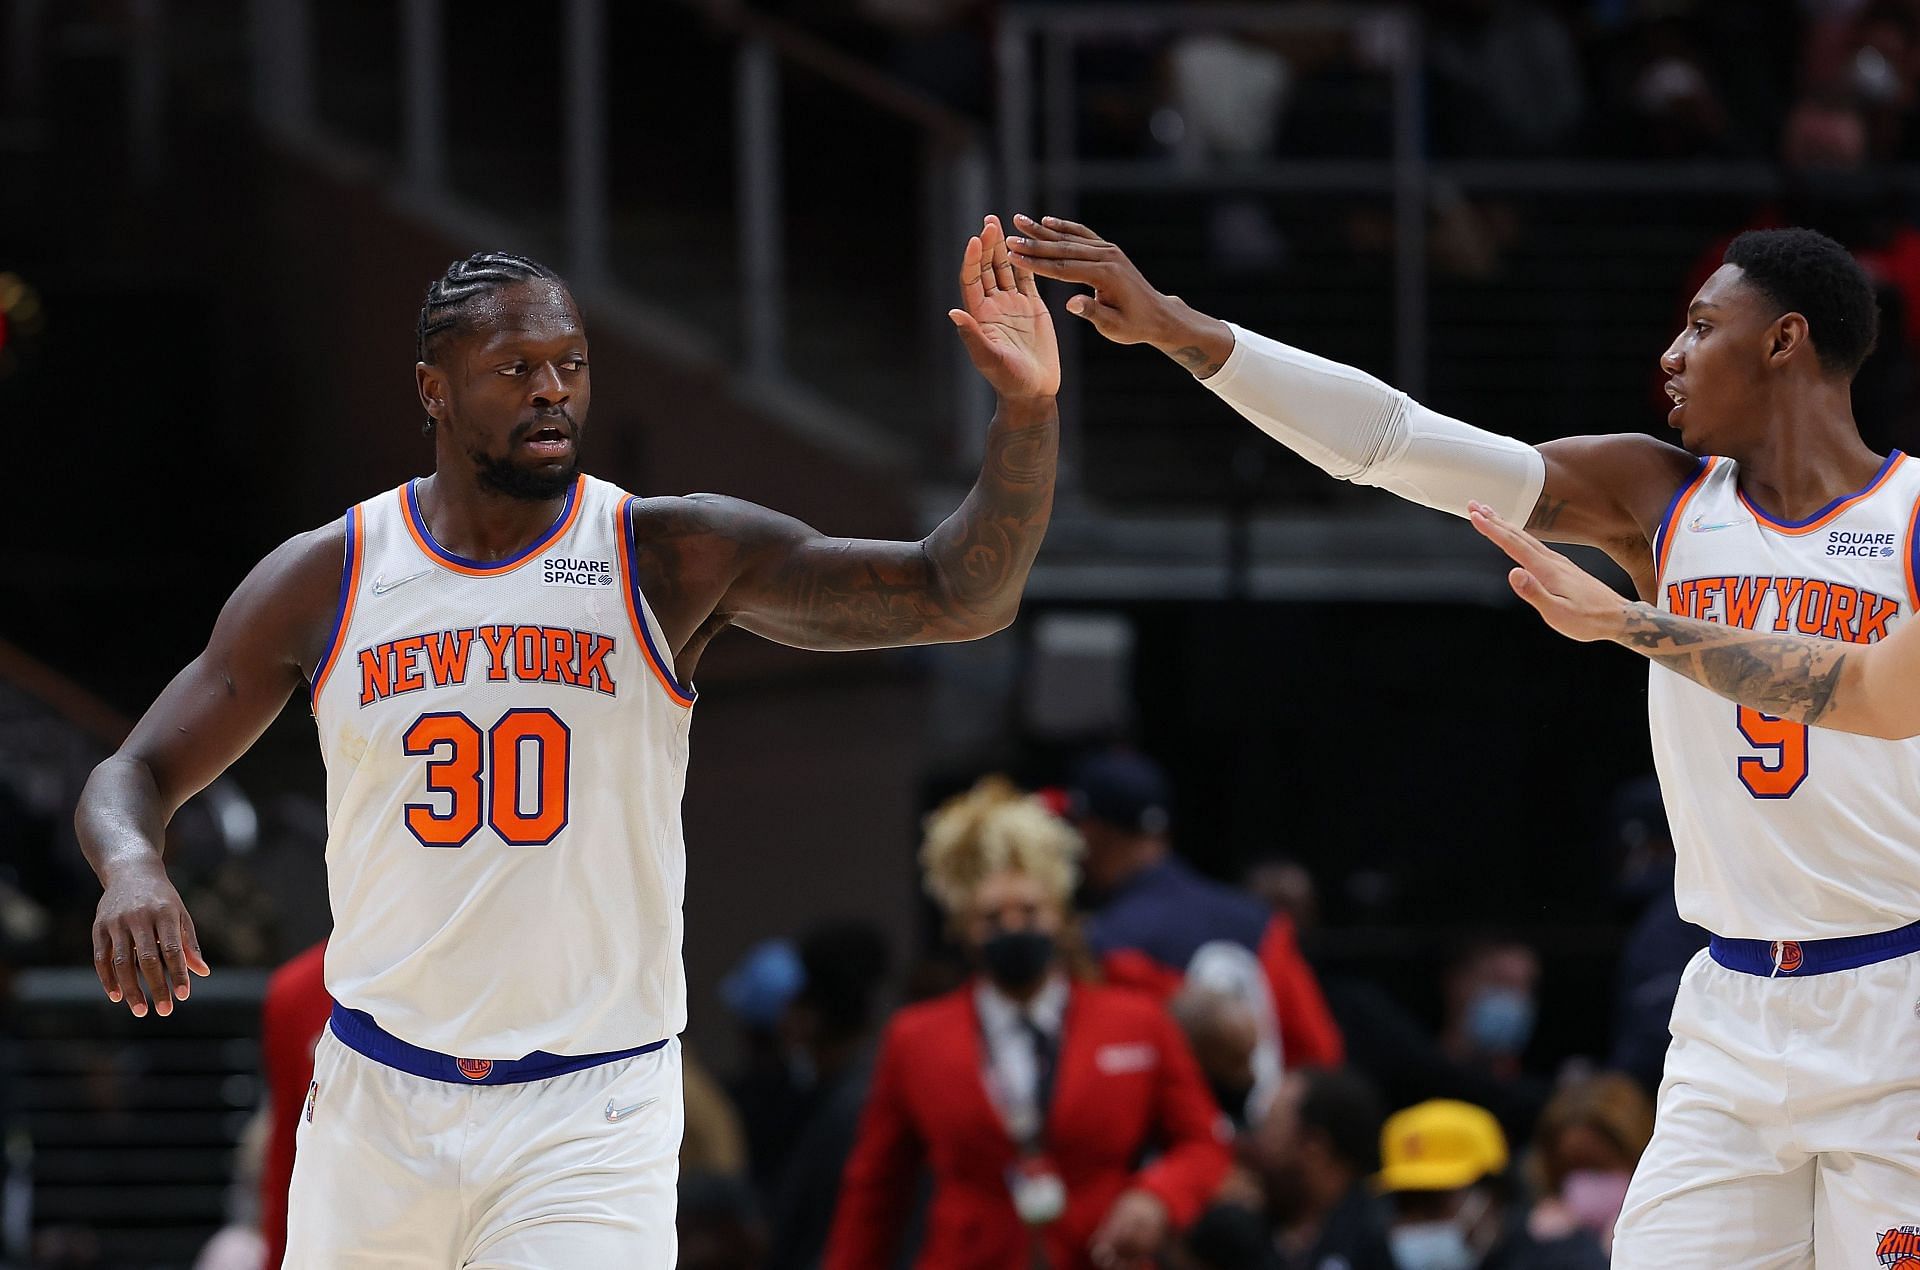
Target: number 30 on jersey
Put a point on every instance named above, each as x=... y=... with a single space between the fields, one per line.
x=512 y=777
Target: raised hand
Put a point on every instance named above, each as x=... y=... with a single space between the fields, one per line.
x=1003 y=322
x=143 y=937
x=1572 y=601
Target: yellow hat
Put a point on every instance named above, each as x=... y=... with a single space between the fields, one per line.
x=1439 y=1145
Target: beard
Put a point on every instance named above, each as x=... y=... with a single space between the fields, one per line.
x=529 y=485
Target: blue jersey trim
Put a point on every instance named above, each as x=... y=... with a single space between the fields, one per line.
x=1666 y=517
x=342 y=607
x=1790 y=959
x=1864 y=490
x=545 y=540
x=640 y=607
x=358 y=1032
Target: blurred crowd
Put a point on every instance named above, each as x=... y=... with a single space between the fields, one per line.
x=1109 y=1059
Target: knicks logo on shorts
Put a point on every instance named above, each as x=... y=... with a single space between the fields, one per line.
x=1900 y=1247
x=474 y=1068
x=1786 y=955
x=313 y=1091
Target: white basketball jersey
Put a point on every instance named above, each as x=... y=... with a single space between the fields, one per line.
x=1781 y=831
x=506 y=749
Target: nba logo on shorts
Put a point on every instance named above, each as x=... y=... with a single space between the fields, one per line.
x=313 y=1091
x=476 y=1068
x=1786 y=955
x=1901 y=1248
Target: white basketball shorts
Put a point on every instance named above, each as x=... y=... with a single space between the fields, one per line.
x=403 y=1172
x=1788 y=1130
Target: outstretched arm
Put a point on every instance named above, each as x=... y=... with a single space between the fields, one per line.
x=1606 y=491
x=793 y=584
x=1872 y=689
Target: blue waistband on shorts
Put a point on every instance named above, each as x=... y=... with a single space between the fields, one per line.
x=1801 y=957
x=358 y=1032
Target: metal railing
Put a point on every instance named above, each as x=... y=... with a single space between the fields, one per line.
x=631 y=211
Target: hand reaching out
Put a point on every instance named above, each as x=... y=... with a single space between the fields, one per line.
x=1572 y=601
x=1004 y=322
x=1124 y=307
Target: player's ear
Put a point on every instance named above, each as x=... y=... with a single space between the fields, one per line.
x=1787 y=336
x=433 y=391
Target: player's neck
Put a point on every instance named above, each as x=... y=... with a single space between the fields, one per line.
x=471 y=520
x=1809 y=454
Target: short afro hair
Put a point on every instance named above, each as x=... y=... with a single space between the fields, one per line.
x=1803 y=271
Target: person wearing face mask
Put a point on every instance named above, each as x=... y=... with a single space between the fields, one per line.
x=1444 y=1169
x=1584 y=1149
x=1029 y=1095
x=1490 y=1006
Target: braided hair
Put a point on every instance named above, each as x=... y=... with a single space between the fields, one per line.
x=448 y=297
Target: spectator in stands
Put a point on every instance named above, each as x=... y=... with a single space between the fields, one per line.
x=831 y=1019
x=714 y=1140
x=1225 y=1034
x=1444 y=1169
x=1588 y=1141
x=1031 y=1098
x=1315 y=1150
x=293 y=1014
x=768 y=1089
x=1660 y=944
x=1287 y=887
x=1490 y=1002
x=1152 y=912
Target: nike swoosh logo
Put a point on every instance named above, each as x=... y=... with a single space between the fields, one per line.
x=616 y=1114
x=381 y=586
x=1698 y=526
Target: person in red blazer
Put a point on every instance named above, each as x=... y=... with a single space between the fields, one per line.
x=1031 y=1097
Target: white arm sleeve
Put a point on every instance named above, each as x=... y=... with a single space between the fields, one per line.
x=1352 y=426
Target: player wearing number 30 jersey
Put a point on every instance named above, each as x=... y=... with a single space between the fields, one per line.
x=517 y=718
x=1786 y=1126
x=500 y=657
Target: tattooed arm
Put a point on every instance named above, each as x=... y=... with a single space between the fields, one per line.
x=1872 y=689
x=780 y=578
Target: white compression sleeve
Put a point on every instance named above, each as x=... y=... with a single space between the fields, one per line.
x=1352 y=426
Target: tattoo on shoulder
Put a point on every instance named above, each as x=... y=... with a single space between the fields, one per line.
x=1196 y=361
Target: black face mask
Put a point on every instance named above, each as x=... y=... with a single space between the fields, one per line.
x=1016 y=959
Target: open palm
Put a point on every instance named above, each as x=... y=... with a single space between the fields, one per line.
x=1003 y=322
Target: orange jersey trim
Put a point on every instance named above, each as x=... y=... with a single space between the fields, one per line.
x=1913 y=585
x=1821 y=519
x=416 y=528
x=1672 y=526
x=623 y=534
x=349 y=593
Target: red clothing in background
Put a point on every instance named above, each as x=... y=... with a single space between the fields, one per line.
x=1126 y=1082
x=291 y=1019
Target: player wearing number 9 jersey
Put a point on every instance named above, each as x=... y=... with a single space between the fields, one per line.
x=500 y=658
x=1786 y=1125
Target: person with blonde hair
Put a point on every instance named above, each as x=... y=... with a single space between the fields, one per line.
x=1585 y=1145
x=1028 y=1093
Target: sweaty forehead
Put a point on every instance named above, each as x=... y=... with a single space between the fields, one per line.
x=526 y=312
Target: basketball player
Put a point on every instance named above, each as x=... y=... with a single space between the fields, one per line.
x=1788 y=1116
x=501 y=658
